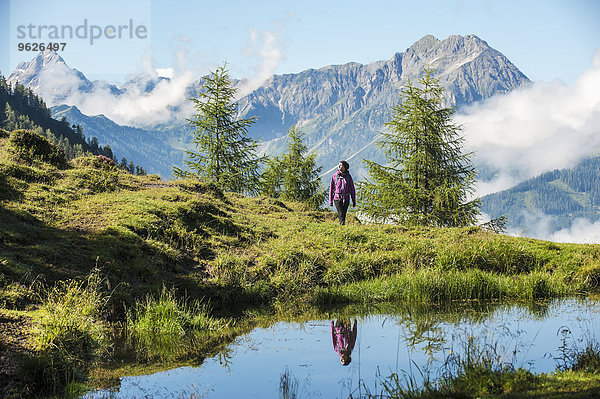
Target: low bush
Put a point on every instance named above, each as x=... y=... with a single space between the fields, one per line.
x=29 y=147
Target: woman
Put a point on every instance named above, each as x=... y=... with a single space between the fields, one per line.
x=341 y=190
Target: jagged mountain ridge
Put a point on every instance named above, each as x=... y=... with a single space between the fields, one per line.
x=340 y=108
x=45 y=75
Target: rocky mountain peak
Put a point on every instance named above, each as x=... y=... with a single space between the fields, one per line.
x=49 y=76
x=27 y=73
x=424 y=45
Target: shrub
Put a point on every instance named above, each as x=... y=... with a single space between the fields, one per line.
x=96 y=181
x=29 y=147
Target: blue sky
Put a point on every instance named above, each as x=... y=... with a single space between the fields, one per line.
x=545 y=39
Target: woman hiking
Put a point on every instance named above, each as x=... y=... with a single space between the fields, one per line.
x=341 y=190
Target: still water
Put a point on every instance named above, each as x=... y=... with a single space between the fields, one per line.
x=410 y=342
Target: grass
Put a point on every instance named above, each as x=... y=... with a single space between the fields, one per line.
x=70 y=334
x=166 y=327
x=61 y=220
x=433 y=286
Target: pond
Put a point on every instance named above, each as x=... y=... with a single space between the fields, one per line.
x=299 y=359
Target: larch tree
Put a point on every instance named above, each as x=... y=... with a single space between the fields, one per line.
x=294 y=176
x=224 y=154
x=428 y=180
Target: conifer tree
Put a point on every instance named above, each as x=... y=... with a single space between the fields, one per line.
x=271 y=178
x=224 y=154
x=10 y=123
x=428 y=180
x=293 y=176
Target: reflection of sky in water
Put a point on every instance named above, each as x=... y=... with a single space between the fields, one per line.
x=257 y=361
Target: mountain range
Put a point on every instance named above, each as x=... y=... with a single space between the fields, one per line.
x=551 y=201
x=340 y=108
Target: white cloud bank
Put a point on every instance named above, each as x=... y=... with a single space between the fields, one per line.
x=541 y=127
x=582 y=231
x=167 y=101
x=545 y=126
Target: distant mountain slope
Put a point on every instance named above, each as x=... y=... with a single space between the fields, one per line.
x=146 y=147
x=24 y=102
x=21 y=108
x=560 y=196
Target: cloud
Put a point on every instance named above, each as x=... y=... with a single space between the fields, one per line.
x=540 y=225
x=165 y=72
x=541 y=127
x=148 y=98
x=137 y=106
x=582 y=231
x=266 y=48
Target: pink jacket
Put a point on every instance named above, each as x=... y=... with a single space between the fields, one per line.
x=343 y=338
x=341 y=187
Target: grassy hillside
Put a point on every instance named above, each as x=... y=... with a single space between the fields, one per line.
x=88 y=251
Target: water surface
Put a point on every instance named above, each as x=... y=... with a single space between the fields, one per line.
x=410 y=342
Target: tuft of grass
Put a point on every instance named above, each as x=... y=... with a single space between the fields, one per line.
x=588 y=360
x=168 y=327
x=69 y=336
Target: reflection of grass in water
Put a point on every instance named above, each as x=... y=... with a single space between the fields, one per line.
x=478 y=368
x=578 y=355
x=475 y=367
x=288 y=385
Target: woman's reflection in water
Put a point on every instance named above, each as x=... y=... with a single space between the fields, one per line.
x=343 y=338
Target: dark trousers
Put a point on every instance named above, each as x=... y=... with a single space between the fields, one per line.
x=342 y=208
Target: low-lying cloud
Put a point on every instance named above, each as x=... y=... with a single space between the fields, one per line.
x=540 y=225
x=267 y=50
x=134 y=106
x=541 y=127
x=159 y=95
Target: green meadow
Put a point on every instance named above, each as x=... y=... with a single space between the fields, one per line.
x=102 y=271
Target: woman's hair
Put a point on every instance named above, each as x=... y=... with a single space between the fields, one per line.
x=346 y=166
